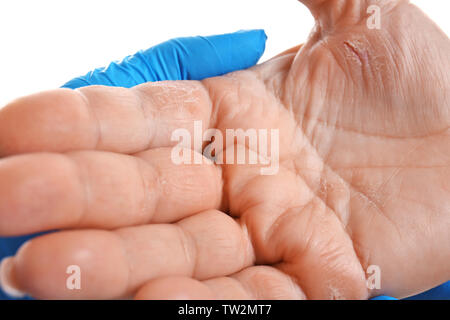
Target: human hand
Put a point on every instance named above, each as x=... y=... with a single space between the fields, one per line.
x=363 y=178
x=192 y=58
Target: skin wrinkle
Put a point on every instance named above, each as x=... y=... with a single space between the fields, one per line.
x=128 y=289
x=404 y=69
x=190 y=248
x=240 y=208
x=431 y=208
x=389 y=167
x=341 y=211
x=374 y=204
x=339 y=62
x=86 y=186
x=215 y=106
x=251 y=294
x=144 y=209
x=370 y=202
x=309 y=125
x=399 y=169
x=324 y=255
x=362 y=253
x=249 y=250
x=251 y=291
x=307 y=243
x=252 y=235
x=315 y=151
x=249 y=256
x=159 y=185
x=378 y=136
x=87 y=104
x=212 y=107
x=223 y=200
x=145 y=115
x=345 y=226
x=406 y=157
x=273 y=229
x=244 y=287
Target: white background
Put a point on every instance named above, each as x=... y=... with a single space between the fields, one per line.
x=44 y=43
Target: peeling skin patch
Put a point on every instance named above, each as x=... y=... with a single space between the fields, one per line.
x=362 y=56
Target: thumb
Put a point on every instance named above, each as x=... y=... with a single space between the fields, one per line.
x=192 y=58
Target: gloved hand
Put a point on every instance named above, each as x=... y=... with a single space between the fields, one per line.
x=192 y=58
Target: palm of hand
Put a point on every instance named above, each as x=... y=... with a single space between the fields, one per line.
x=364 y=165
x=363 y=176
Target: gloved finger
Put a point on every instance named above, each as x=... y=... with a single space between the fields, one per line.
x=115 y=264
x=91 y=189
x=192 y=58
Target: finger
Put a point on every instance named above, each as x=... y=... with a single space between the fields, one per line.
x=102 y=190
x=192 y=58
x=253 y=283
x=116 y=264
x=103 y=118
x=302 y=230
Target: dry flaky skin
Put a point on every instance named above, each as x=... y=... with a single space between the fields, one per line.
x=364 y=174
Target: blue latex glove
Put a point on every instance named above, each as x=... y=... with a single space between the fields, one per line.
x=193 y=58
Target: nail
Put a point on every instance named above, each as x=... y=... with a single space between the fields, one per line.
x=7 y=281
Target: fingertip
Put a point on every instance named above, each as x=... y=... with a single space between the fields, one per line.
x=44 y=266
x=7 y=279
